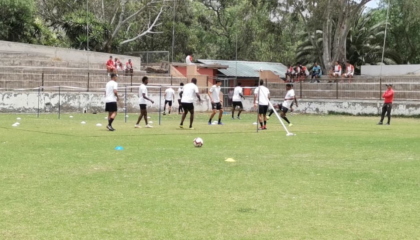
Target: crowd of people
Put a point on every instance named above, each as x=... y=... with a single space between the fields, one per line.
x=299 y=73
x=114 y=65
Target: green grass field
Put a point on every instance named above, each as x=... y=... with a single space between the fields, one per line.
x=341 y=177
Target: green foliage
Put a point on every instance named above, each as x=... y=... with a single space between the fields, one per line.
x=16 y=20
x=76 y=25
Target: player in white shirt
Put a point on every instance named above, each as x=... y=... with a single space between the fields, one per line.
x=190 y=91
x=216 y=102
x=287 y=103
x=189 y=59
x=143 y=98
x=111 y=98
x=238 y=95
x=349 y=72
x=169 y=98
x=261 y=98
x=180 y=91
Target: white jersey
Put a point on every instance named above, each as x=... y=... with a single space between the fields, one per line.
x=110 y=95
x=180 y=89
x=188 y=60
x=237 y=94
x=142 y=90
x=189 y=93
x=215 y=93
x=169 y=94
x=262 y=95
x=289 y=98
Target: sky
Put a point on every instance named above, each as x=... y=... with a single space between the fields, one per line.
x=373 y=4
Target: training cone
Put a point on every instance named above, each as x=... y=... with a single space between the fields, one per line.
x=230 y=160
x=119 y=148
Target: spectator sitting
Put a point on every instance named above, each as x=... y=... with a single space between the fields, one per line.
x=349 y=72
x=289 y=73
x=129 y=67
x=316 y=73
x=110 y=66
x=336 y=72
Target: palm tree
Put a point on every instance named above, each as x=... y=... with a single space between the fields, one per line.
x=364 y=45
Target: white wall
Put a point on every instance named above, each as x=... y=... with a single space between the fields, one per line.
x=391 y=70
x=18 y=102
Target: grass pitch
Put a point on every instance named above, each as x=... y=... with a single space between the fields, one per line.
x=341 y=177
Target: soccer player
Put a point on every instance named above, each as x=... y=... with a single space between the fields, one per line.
x=189 y=59
x=280 y=106
x=111 y=98
x=288 y=101
x=387 y=107
x=263 y=95
x=316 y=73
x=189 y=92
x=169 y=98
x=237 y=100
x=349 y=72
x=180 y=91
x=143 y=103
x=216 y=102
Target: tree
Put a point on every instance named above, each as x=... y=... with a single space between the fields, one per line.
x=336 y=18
x=16 y=22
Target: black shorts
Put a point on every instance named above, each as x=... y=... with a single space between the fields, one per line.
x=235 y=104
x=143 y=106
x=168 y=102
x=111 y=107
x=217 y=106
x=283 y=109
x=188 y=107
x=262 y=109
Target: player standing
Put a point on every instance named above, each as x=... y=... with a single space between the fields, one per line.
x=237 y=100
x=188 y=94
x=216 y=103
x=169 y=98
x=387 y=107
x=263 y=95
x=111 y=98
x=143 y=103
x=180 y=91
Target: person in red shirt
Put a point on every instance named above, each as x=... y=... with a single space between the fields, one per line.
x=110 y=66
x=129 y=67
x=387 y=107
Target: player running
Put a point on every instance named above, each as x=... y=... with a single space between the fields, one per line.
x=111 y=98
x=143 y=103
x=216 y=102
x=263 y=95
x=188 y=94
x=237 y=100
x=169 y=98
x=287 y=104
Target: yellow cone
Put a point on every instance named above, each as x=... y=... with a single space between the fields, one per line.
x=230 y=160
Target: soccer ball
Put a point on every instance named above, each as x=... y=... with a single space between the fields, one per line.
x=198 y=142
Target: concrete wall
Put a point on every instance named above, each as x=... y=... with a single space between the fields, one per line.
x=27 y=102
x=391 y=70
x=63 y=54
